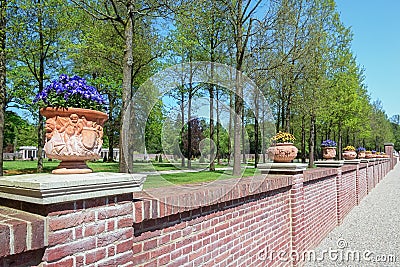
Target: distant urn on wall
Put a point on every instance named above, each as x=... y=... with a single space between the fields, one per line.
x=328 y=149
x=282 y=149
x=361 y=152
x=349 y=153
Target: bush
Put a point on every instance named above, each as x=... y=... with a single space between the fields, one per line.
x=202 y=160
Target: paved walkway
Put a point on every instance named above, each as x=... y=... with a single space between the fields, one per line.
x=370 y=234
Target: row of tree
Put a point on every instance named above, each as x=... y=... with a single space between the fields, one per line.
x=297 y=54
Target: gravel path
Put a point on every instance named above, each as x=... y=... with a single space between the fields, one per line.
x=370 y=234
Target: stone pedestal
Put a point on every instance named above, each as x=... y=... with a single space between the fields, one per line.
x=352 y=161
x=50 y=189
x=282 y=168
x=329 y=163
x=389 y=148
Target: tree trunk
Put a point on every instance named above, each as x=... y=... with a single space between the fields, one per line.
x=263 y=136
x=218 y=125
x=243 y=137
x=231 y=121
x=3 y=24
x=110 y=132
x=303 y=139
x=125 y=162
x=40 y=81
x=189 y=117
x=211 y=92
x=182 y=123
x=312 y=142
x=189 y=133
x=237 y=125
x=340 y=141
x=256 y=133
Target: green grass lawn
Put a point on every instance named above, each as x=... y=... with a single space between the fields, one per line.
x=24 y=167
x=193 y=177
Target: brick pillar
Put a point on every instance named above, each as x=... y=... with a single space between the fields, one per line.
x=339 y=195
x=87 y=219
x=389 y=149
x=297 y=215
x=358 y=183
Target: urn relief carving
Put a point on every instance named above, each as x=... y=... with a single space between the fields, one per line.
x=73 y=135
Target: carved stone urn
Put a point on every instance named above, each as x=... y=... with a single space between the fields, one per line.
x=73 y=135
x=349 y=155
x=329 y=152
x=361 y=154
x=282 y=152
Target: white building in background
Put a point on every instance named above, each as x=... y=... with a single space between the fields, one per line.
x=104 y=153
x=27 y=152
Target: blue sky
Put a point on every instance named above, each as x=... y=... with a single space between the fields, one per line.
x=376 y=44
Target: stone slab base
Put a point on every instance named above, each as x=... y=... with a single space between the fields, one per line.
x=282 y=168
x=329 y=163
x=53 y=188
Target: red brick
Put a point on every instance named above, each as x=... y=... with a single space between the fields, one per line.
x=112 y=237
x=93 y=229
x=124 y=246
x=149 y=244
x=95 y=255
x=117 y=260
x=137 y=247
x=68 y=262
x=138 y=211
x=60 y=237
x=110 y=225
x=71 y=220
x=163 y=250
x=38 y=231
x=125 y=222
x=20 y=234
x=79 y=260
x=115 y=211
x=164 y=259
x=78 y=232
x=111 y=251
x=59 y=252
x=5 y=240
x=138 y=259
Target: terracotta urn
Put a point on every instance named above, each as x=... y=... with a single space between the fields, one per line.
x=282 y=152
x=349 y=155
x=369 y=155
x=329 y=152
x=73 y=135
x=361 y=155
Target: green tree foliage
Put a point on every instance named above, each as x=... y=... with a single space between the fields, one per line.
x=298 y=52
x=196 y=137
x=19 y=132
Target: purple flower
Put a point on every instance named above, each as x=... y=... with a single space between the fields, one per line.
x=70 y=92
x=328 y=143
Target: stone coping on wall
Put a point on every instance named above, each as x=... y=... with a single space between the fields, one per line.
x=319 y=173
x=282 y=168
x=161 y=202
x=50 y=188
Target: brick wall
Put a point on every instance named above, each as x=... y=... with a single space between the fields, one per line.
x=361 y=184
x=320 y=213
x=237 y=222
x=370 y=176
x=346 y=191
